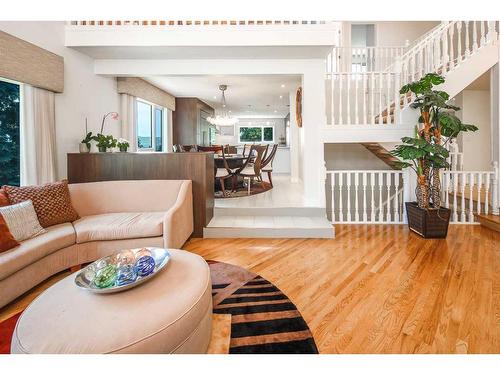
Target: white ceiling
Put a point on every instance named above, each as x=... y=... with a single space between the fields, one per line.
x=246 y=95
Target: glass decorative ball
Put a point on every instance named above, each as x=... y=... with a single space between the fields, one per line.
x=145 y=265
x=106 y=276
x=127 y=274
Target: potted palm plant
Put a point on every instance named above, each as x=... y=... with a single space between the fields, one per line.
x=426 y=154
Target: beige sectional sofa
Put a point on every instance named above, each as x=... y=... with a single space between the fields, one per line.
x=114 y=215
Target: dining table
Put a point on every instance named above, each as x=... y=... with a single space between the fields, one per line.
x=233 y=160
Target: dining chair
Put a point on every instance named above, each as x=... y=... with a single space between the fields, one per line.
x=252 y=169
x=178 y=148
x=221 y=174
x=267 y=164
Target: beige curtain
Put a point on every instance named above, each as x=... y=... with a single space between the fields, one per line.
x=38 y=136
x=128 y=120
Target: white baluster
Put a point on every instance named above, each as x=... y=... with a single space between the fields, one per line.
x=467 y=39
x=495 y=189
x=482 y=41
x=487 y=193
x=379 y=112
x=372 y=99
x=356 y=201
x=455 y=200
x=445 y=52
x=479 y=188
x=365 y=99
x=332 y=188
x=348 y=98
x=474 y=36
x=348 y=186
x=341 y=199
x=356 y=107
x=388 y=177
x=365 y=215
x=372 y=198
x=341 y=94
x=459 y=42
x=380 y=202
x=452 y=52
x=388 y=97
x=447 y=189
x=471 y=197
x=463 y=182
x=332 y=86
x=396 y=215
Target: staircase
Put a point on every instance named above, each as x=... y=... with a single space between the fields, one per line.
x=489 y=221
x=459 y=50
x=269 y=222
x=380 y=152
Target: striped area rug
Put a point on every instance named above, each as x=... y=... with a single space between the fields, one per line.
x=263 y=319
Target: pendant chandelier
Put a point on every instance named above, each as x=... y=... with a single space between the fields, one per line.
x=222 y=117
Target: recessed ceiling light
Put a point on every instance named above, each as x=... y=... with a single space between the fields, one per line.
x=215 y=97
x=275 y=111
x=282 y=85
x=281 y=96
x=229 y=111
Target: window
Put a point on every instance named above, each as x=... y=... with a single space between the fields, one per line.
x=9 y=133
x=263 y=134
x=158 y=129
x=150 y=126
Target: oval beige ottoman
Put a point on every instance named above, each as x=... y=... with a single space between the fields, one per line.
x=171 y=313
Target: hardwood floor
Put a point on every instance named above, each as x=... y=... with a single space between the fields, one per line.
x=382 y=289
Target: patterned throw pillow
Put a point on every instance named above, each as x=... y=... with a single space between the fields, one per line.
x=52 y=201
x=4 y=200
x=21 y=220
x=7 y=240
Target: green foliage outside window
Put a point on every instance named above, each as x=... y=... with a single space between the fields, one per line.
x=268 y=134
x=248 y=134
x=256 y=134
x=9 y=134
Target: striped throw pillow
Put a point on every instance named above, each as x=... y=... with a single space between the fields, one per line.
x=21 y=220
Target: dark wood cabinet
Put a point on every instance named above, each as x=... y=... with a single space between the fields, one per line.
x=195 y=166
x=189 y=124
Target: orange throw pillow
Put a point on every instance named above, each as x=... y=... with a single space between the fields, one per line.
x=52 y=201
x=4 y=200
x=7 y=240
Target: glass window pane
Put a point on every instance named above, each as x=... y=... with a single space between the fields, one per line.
x=144 y=125
x=158 y=129
x=9 y=134
x=268 y=134
x=250 y=134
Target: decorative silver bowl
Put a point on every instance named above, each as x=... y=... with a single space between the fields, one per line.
x=122 y=270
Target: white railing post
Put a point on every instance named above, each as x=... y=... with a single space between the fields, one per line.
x=494 y=193
x=406 y=191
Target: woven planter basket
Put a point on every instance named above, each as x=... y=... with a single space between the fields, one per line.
x=428 y=223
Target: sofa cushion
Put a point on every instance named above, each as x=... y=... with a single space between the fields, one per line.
x=4 y=199
x=33 y=249
x=119 y=226
x=52 y=201
x=7 y=240
x=22 y=220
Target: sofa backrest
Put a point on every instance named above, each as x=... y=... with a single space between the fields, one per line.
x=96 y=198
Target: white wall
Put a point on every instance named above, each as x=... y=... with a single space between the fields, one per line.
x=85 y=94
x=476 y=146
x=392 y=34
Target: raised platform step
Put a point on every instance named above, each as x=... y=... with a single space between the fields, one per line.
x=269 y=211
x=246 y=226
x=489 y=221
